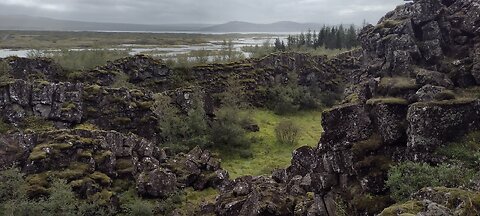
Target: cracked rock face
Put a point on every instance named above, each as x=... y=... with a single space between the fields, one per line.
x=52 y=101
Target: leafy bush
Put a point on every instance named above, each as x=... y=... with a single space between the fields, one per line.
x=62 y=200
x=12 y=185
x=140 y=208
x=284 y=96
x=287 y=96
x=234 y=96
x=409 y=177
x=287 y=132
x=228 y=130
x=178 y=130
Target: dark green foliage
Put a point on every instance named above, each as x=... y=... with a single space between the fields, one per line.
x=12 y=185
x=228 y=129
x=181 y=131
x=287 y=132
x=168 y=205
x=62 y=200
x=140 y=208
x=330 y=37
x=234 y=96
x=287 y=97
x=408 y=177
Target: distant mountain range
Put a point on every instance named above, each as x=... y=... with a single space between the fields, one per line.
x=41 y=23
x=284 y=26
x=48 y=24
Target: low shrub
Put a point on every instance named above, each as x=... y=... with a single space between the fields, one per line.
x=408 y=177
x=228 y=129
x=287 y=132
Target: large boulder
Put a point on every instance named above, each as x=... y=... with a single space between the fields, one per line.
x=255 y=196
x=432 y=124
x=156 y=183
x=344 y=125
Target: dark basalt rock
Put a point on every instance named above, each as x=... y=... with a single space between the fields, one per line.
x=390 y=121
x=429 y=93
x=198 y=169
x=60 y=102
x=33 y=69
x=156 y=183
x=255 y=196
x=89 y=160
x=432 y=124
x=344 y=125
x=425 y=77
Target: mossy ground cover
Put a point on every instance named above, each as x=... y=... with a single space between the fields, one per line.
x=267 y=153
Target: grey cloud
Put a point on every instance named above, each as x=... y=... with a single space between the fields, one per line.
x=203 y=11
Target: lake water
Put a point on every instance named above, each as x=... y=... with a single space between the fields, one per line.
x=171 y=51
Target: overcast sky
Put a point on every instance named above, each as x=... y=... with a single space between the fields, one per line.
x=203 y=11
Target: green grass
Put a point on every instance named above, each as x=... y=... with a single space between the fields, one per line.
x=267 y=153
x=389 y=100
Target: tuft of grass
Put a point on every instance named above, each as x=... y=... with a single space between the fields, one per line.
x=388 y=100
x=397 y=85
x=268 y=154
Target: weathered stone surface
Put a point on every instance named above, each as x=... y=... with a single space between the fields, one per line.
x=198 y=169
x=264 y=197
x=429 y=93
x=51 y=101
x=432 y=124
x=389 y=120
x=344 y=125
x=32 y=69
x=156 y=183
x=435 y=78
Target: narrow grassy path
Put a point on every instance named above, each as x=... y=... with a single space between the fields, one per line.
x=267 y=153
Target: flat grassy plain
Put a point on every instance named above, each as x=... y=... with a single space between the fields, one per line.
x=70 y=40
x=267 y=153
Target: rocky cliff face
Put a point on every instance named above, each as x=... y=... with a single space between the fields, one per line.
x=398 y=107
x=408 y=92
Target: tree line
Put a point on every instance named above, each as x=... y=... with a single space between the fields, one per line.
x=329 y=37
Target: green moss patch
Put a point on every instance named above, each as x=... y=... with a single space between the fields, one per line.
x=407 y=208
x=361 y=148
x=397 y=85
x=388 y=100
x=101 y=178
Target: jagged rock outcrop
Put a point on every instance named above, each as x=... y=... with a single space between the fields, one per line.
x=433 y=124
x=257 y=75
x=440 y=36
x=68 y=104
x=91 y=160
x=59 y=102
x=401 y=105
x=140 y=70
x=33 y=69
x=123 y=110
